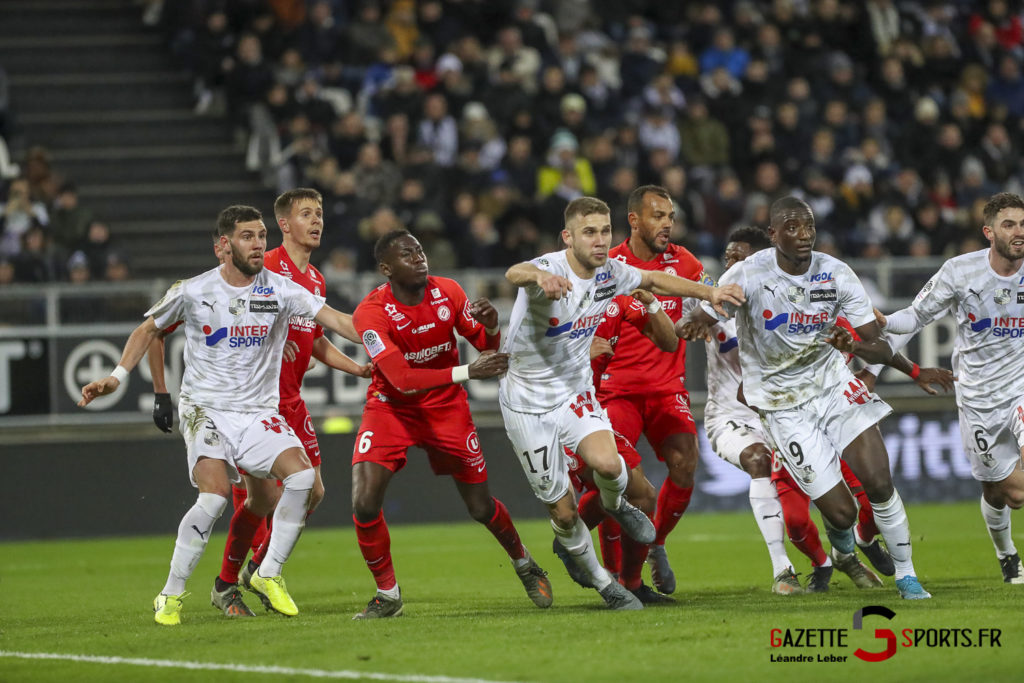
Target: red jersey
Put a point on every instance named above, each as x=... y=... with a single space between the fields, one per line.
x=302 y=331
x=622 y=311
x=414 y=347
x=638 y=366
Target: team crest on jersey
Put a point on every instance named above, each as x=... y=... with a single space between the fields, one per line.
x=473 y=443
x=1002 y=296
x=316 y=290
x=236 y=306
x=444 y=313
x=613 y=310
x=795 y=294
x=372 y=342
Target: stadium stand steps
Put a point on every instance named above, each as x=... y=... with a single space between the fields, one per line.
x=101 y=92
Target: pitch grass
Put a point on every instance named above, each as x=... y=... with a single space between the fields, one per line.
x=467 y=616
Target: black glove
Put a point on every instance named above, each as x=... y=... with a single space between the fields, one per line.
x=163 y=412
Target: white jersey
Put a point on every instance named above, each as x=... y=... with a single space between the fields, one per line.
x=234 y=336
x=550 y=340
x=988 y=353
x=724 y=372
x=783 y=325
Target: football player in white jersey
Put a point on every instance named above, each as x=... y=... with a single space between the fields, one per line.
x=810 y=404
x=236 y=321
x=984 y=292
x=547 y=398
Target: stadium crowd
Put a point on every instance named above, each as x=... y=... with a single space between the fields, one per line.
x=474 y=123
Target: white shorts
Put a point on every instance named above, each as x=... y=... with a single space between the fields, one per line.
x=538 y=440
x=812 y=436
x=250 y=441
x=993 y=439
x=731 y=434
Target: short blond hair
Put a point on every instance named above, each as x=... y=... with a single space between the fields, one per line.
x=584 y=206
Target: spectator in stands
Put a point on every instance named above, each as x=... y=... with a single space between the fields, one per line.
x=39 y=260
x=438 y=131
x=20 y=212
x=96 y=248
x=563 y=158
x=704 y=141
x=69 y=220
x=377 y=180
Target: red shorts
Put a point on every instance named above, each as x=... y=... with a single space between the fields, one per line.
x=576 y=466
x=296 y=414
x=657 y=416
x=446 y=433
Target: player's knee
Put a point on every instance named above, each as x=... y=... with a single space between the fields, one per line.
x=564 y=519
x=302 y=480
x=843 y=516
x=481 y=510
x=756 y=461
x=212 y=504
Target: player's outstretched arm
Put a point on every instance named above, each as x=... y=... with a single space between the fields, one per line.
x=339 y=322
x=526 y=274
x=658 y=328
x=163 y=411
x=134 y=349
x=672 y=285
x=329 y=354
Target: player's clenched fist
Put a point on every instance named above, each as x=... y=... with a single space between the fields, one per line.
x=484 y=313
x=100 y=387
x=488 y=364
x=600 y=347
x=726 y=294
x=554 y=286
x=643 y=296
x=841 y=339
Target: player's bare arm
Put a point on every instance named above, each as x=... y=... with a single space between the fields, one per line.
x=526 y=274
x=659 y=327
x=330 y=355
x=339 y=322
x=871 y=347
x=134 y=349
x=662 y=283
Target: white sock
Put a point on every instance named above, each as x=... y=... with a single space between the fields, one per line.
x=764 y=501
x=393 y=593
x=998 y=522
x=289 y=519
x=522 y=561
x=891 y=520
x=612 y=489
x=581 y=546
x=193 y=535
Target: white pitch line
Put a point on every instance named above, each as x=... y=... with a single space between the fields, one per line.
x=245 y=668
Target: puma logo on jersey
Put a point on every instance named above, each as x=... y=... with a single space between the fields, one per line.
x=207 y=303
x=771 y=290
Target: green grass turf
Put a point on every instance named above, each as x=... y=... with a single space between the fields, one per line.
x=467 y=616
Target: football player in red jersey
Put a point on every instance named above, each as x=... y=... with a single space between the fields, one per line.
x=408 y=328
x=642 y=388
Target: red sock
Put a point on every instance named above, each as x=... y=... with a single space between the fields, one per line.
x=238 y=494
x=802 y=530
x=590 y=509
x=375 y=544
x=240 y=534
x=672 y=503
x=504 y=530
x=866 y=528
x=633 y=556
x=610 y=535
x=259 y=550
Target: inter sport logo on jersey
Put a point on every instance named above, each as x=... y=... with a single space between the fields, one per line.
x=238 y=335
x=727 y=344
x=583 y=328
x=798 y=323
x=1004 y=326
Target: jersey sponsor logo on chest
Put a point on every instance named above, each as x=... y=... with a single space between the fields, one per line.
x=299 y=323
x=1001 y=326
x=428 y=354
x=238 y=336
x=263 y=306
x=796 y=322
x=584 y=327
x=423 y=328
